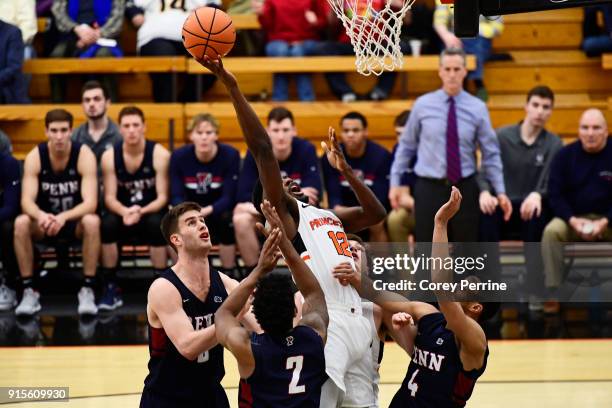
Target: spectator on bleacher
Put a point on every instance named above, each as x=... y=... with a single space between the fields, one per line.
x=597 y=39
x=527 y=150
x=292 y=29
x=370 y=161
x=444 y=130
x=22 y=14
x=159 y=34
x=480 y=46
x=580 y=195
x=10 y=194
x=249 y=43
x=87 y=29
x=13 y=87
x=206 y=172
x=297 y=159
x=136 y=188
x=400 y=220
x=99 y=132
x=58 y=204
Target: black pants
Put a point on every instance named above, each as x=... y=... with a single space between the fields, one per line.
x=146 y=232
x=7 y=253
x=162 y=89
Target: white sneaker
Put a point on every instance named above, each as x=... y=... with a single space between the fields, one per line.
x=87 y=302
x=8 y=300
x=30 y=303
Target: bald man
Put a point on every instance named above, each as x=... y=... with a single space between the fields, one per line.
x=580 y=195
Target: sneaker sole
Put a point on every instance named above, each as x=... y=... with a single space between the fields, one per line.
x=114 y=306
x=29 y=313
x=7 y=306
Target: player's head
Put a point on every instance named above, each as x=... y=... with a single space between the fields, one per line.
x=473 y=304
x=58 y=128
x=359 y=252
x=95 y=100
x=452 y=70
x=273 y=304
x=354 y=130
x=184 y=229
x=593 y=131
x=539 y=106
x=289 y=185
x=400 y=121
x=132 y=125
x=281 y=129
x=204 y=132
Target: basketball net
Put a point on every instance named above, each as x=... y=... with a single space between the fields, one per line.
x=374 y=28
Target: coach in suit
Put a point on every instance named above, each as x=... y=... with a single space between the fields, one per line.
x=443 y=131
x=12 y=81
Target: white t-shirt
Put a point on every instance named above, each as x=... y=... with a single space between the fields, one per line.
x=165 y=18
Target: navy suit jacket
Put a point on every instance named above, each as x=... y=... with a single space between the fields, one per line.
x=12 y=81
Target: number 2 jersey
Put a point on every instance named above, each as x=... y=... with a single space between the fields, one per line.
x=289 y=371
x=435 y=377
x=61 y=191
x=173 y=380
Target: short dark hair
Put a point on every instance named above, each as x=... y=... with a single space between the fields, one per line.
x=449 y=52
x=279 y=114
x=543 y=92
x=93 y=84
x=131 y=110
x=402 y=118
x=169 y=224
x=58 y=115
x=355 y=115
x=273 y=304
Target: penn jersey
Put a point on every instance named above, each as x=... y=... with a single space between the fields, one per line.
x=289 y=371
x=436 y=377
x=174 y=379
x=61 y=191
x=136 y=188
x=323 y=246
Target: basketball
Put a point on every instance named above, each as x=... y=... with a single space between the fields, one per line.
x=208 y=31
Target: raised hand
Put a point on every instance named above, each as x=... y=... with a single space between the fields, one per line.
x=270 y=254
x=400 y=320
x=217 y=68
x=335 y=157
x=450 y=208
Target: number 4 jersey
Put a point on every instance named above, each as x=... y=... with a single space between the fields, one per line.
x=58 y=191
x=435 y=377
x=289 y=371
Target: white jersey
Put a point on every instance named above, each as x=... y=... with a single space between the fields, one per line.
x=165 y=18
x=326 y=246
x=362 y=378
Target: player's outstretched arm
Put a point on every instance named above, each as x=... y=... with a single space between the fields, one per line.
x=165 y=306
x=467 y=330
x=314 y=310
x=229 y=332
x=260 y=146
x=370 y=211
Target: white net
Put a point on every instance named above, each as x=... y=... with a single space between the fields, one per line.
x=374 y=27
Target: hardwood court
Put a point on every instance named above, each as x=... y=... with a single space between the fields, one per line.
x=531 y=373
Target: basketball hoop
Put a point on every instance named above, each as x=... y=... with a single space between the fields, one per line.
x=374 y=32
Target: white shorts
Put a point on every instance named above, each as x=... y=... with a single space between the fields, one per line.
x=361 y=388
x=348 y=339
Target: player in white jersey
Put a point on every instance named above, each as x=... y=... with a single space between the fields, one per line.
x=318 y=235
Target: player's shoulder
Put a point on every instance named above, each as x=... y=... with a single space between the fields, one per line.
x=302 y=144
x=183 y=151
x=228 y=150
x=162 y=290
x=377 y=148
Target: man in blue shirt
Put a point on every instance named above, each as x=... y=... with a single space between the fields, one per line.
x=580 y=195
x=297 y=159
x=369 y=160
x=444 y=130
x=206 y=172
x=10 y=193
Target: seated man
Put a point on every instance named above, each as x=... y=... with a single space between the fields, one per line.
x=135 y=175
x=58 y=200
x=369 y=160
x=297 y=159
x=580 y=196
x=10 y=192
x=206 y=172
x=527 y=149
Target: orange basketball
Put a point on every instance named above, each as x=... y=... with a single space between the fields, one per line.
x=208 y=31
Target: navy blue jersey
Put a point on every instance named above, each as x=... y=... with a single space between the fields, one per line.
x=212 y=183
x=61 y=191
x=289 y=371
x=407 y=178
x=10 y=187
x=136 y=188
x=436 y=378
x=174 y=378
x=301 y=165
x=373 y=168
